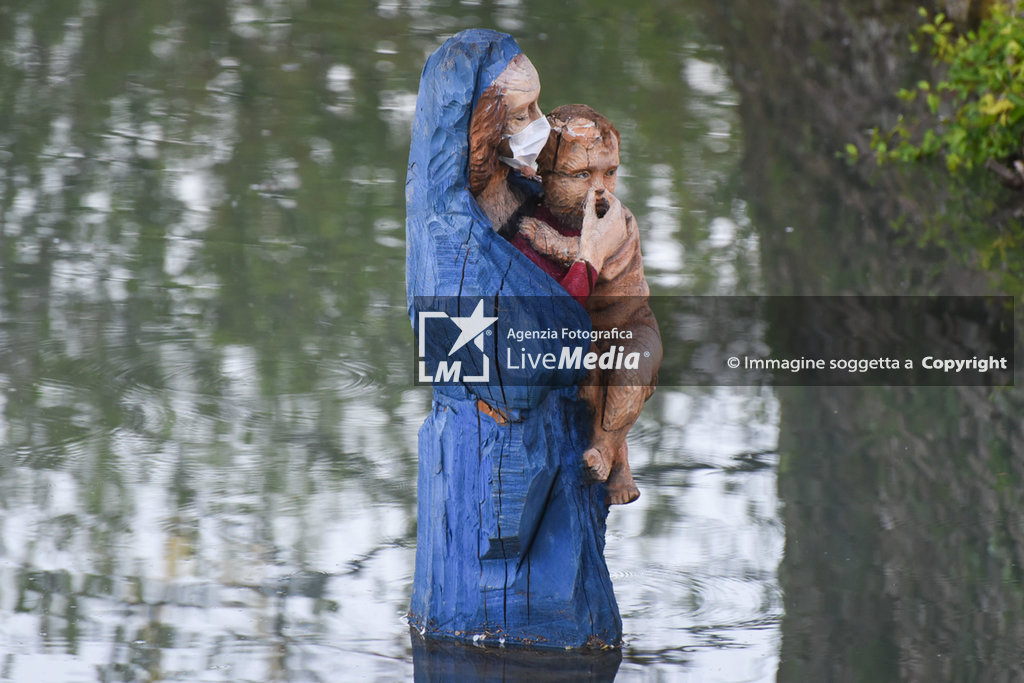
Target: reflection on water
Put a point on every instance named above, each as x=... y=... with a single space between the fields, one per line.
x=444 y=661
x=695 y=571
x=902 y=506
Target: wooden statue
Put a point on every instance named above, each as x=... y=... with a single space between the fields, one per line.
x=510 y=535
x=579 y=168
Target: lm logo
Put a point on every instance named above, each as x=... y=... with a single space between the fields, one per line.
x=471 y=329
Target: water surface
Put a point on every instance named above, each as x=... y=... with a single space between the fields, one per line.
x=207 y=418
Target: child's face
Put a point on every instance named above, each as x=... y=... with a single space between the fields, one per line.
x=583 y=162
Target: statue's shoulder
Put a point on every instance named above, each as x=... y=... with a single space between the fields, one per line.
x=524 y=188
x=526 y=195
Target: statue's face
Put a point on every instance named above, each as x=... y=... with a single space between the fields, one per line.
x=584 y=161
x=521 y=84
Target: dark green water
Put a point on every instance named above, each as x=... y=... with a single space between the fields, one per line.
x=207 y=418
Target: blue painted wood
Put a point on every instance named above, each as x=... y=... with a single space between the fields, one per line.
x=510 y=536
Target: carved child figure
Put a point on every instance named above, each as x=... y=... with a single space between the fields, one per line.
x=578 y=170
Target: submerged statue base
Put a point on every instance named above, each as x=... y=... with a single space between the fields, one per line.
x=435 y=660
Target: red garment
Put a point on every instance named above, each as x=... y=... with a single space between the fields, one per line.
x=578 y=279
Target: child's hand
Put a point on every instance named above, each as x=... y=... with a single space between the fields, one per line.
x=601 y=237
x=530 y=228
x=549 y=242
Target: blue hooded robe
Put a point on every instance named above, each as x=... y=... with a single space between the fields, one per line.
x=510 y=537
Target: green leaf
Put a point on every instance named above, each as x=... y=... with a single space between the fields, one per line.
x=975 y=107
x=996 y=107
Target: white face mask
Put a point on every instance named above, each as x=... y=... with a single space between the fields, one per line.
x=527 y=144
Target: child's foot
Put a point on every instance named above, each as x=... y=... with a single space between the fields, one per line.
x=621 y=487
x=596 y=464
